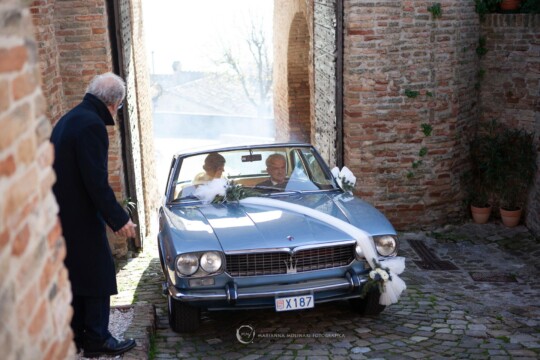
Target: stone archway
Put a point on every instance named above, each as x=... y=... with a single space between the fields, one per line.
x=299 y=94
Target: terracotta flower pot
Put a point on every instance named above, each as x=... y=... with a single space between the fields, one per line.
x=507 y=5
x=480 y=215
x=510 y=218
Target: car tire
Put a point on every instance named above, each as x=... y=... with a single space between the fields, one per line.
x=368 y=305
x=183 y=317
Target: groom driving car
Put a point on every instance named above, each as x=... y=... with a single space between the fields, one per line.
x=277 y=169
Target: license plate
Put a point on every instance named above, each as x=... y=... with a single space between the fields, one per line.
x=295 y=303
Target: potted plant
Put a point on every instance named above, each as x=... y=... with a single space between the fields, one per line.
x=481 y=179
x=510 y=5
x=484 y=7
x=517 y=168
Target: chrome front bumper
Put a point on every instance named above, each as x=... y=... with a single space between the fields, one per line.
x=231 y=293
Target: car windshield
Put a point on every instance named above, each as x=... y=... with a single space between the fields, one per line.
x=265 y=170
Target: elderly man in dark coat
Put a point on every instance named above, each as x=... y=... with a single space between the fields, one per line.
x=87 y=203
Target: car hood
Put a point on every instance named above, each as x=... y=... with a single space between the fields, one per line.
x=240 y=227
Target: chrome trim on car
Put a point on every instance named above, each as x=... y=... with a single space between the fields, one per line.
x=323 y=245
x=258 y=251
x=291 y=249
x=296 y=260
x=231 y=293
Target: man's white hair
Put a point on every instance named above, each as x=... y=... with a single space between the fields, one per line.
x=273 y=157
x=109 y=88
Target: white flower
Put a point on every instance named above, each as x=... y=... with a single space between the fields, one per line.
x=379 y=273
x=347 y=175
x=207 y=192
x=383 y=274
x=335 y=173
x=344 y=178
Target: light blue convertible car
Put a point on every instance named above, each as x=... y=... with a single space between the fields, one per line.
x=219 y=252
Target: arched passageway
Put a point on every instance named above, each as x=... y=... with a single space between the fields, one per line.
x=298 y=80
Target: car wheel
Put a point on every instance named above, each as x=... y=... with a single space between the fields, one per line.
x=368 y=305
x=183 y=317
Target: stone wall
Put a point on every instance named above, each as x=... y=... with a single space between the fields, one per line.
x=406 y=72
x=324 y=95
x=35 y=294
x=304 y=84
x=139 y=133
x=510 y=87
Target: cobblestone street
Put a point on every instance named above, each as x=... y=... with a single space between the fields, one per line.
x=442 y=314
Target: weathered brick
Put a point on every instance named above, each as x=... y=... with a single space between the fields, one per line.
x=13 y=59
x=21 y=242
x=4 y=95
x=13 y=124
x=26 y=151
x=54 y=234
x=23 y=85
x=4 y=239
x=39 y=320
x=51 y=353
x=7 y=166
x=19 y=193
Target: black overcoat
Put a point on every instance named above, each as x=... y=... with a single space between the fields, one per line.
x=85 y=197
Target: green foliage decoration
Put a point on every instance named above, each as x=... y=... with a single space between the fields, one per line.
x=411 y=93
x=435 y=10
x=427 y=129
x=234 y=192
x=483 y=7
x=530 y=6
x=481 y=48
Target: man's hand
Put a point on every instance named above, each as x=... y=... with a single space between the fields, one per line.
x=127 y=230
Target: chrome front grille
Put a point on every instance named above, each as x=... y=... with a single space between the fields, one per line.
x=274 y=263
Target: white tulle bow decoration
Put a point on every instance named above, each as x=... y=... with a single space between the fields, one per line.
x=207 y=192
x=384 y=274
x=392 y=287
x=344 y=178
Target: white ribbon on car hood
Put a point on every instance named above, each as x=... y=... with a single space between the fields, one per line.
x=393 y=287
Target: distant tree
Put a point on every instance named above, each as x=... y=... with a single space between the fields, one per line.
x=254 y=72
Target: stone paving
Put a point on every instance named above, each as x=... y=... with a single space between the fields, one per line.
x=443 y=314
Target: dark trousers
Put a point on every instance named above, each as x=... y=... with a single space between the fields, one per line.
x=90 y=321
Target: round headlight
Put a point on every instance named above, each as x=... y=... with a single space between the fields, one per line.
x=211 y=261
x=187 y=264
x=386 y=245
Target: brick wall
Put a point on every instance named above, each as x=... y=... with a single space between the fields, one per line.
x=34 y=290
x=510 y=88
x=84 y=50
x=393 y=49
x=74 y=46
x=44 y=25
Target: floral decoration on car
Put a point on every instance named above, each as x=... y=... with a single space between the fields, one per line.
x=345 y=178
x=219 y=191
x=379 y=277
